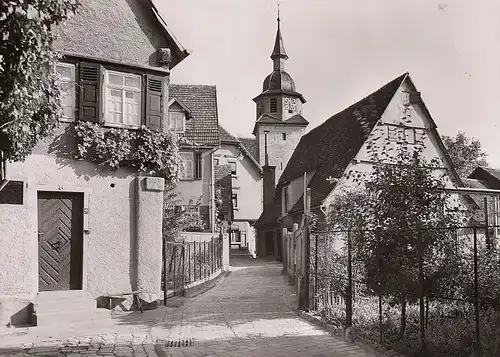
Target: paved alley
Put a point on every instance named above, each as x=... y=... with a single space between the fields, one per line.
x=248 y=313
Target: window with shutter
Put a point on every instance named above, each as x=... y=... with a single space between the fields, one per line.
x=90 y=101
x=123 y=99
x=154 y=102
x=273 y=105
x=65 y=75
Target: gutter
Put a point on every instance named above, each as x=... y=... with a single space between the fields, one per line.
x=3 y=171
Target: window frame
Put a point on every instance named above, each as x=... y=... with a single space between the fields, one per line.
x=235 y=194
x=106 y=85
x=283 y=136
x=169 y=120
x=191 y=154
x=235 y=162
x=72 y=82
x=400 y=135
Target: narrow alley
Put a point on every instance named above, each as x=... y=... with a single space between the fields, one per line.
x=248 y=313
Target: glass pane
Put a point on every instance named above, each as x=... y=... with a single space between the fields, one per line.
x=116 y=79
x=68 y=112
x=134 y=82
x=64 y=73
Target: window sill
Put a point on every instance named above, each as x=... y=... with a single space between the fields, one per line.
x=67 y=120
x=121 y=126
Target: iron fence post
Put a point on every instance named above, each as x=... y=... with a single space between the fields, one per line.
x=349 y=282
x=316 y=272
x=189 y=261
x=183 y=266
x=420 y=253
x=380 y=321
x=477 y=347
x=165 y=272
x=174 y=253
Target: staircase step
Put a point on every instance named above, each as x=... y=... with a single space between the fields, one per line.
x=72 y=317
x=64 y=305
x=65 y=295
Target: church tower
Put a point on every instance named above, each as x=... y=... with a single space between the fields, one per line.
x=279 y=113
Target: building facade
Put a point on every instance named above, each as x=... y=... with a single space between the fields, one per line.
x=72 y=228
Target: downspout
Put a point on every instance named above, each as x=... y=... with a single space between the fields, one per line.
x=3 y=171
x=212 y=188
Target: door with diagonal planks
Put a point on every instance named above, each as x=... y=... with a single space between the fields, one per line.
x=60 y=240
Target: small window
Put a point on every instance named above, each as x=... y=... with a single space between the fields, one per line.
x=405 y=98
x=176 y=121
x=187 y=167
x=12 y=193
x=65 y=76
x=273 y=105
x=410 y=135
x=232 y=165
x=123 y=99
x=283 y=136
x=216 y=161
x=234 y=198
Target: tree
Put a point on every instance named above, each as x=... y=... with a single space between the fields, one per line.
x=466 y=153
x=29 y=95
x=402 y=201
x=177 y=220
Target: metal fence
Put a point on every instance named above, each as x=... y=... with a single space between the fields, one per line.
x=189 y=262
x=449 y=293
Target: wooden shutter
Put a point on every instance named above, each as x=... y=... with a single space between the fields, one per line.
x=154 y=102
x=197 y=165
x=89 y=108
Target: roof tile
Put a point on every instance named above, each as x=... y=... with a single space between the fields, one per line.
x=203 y=127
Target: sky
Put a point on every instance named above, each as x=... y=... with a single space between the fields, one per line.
x=342 y=50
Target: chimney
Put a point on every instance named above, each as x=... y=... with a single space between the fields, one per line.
x=268 y=176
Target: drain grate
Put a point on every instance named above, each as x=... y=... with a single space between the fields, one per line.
x=179 y=343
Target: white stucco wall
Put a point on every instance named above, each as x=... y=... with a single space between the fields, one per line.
x=419 y=119
x=248 y=182
x=110 y=249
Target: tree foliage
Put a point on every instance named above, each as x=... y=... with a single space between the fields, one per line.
x=29 y=96
x=466 y=153
x=177 y=220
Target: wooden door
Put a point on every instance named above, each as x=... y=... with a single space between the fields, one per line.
x=60 y=240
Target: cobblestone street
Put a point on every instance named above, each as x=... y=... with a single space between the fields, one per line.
x=248 y=313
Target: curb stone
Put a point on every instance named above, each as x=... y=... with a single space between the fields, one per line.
x=333 y=330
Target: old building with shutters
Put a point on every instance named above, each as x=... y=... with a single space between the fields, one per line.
x=73 y=232
x=192 y=113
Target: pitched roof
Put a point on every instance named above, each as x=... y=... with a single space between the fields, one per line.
x=203 y=127
x=485 y=172
x=331 y=146
x=226 y=136
x=297 y=119
x=250 y=144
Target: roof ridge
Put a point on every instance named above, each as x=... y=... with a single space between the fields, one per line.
x=402 y=77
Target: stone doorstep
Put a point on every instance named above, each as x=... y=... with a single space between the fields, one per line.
x=372 y=347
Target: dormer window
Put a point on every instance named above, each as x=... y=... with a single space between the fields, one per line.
x=176 y=120
x=178 y=113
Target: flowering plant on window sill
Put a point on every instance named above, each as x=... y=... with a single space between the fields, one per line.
x=149 y=151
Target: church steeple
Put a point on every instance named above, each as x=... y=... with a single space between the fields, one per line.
x=279 y=55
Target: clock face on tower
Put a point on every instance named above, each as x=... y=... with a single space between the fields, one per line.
x=290 y=104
